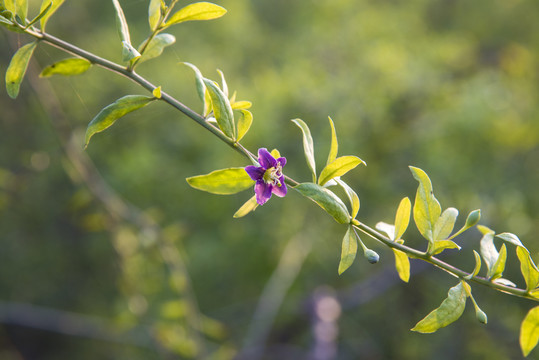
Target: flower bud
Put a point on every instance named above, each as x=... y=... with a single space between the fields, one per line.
x=481 y=316
x=473 y=218
x=371 y=256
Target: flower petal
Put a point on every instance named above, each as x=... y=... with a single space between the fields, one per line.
x=255 y=172
x=282 y=161
x=262 y=191
x=265 y=159
x=280 y=191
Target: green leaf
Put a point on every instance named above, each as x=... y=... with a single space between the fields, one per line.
x=67 y=67
x=46 y=3
x=477 y=266
x=529 y=331
x=338 y=167
x=348 y=251
x=129 y=53
x=222 y=182
x=17 y=68
x=445 y=223
x=426 y=208
x=221 y=109
x=108 y=115
x=326 y=199
x=250 y=205
x=499 y=266
x=223 y=83
x=244 y=123
x=440 y=245
x=201 y=88
x=402 y=218
x=449 y=311
x=386 y=228
x=334 y=148
x=156 y=46
x=308 y=146
x=121 y=23
x=510 y=238
x=154 y=13
x=41 y=14
x=402 y=264
x=528 y=268
x=352 y=197
x=488 y=250
x=197 y=11
x=22 y=9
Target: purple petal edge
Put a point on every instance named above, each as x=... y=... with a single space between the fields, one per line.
x=265 y=159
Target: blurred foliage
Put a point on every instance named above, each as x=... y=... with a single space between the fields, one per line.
x=450 y=86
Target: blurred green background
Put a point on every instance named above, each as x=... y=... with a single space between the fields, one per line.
x=125 y=261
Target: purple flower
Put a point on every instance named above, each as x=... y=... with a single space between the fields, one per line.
x=268 y=176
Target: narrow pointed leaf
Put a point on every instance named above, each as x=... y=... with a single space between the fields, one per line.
x=402 y=218
x=339 y=167
x=223 y=83
x=449 y=311
x=445 y=223
x=352 y=197
x=46 y=3
x=488 y=251
x=156 y=46
x=41 y=14
x=499 y=266
x=477 y=266
x=17 y=68
x=67 y=67
x=348 y=250
x=121 y=23
x=440 y=245
x=250 y=205
x=426 y=208
x=108 y=116
x=154 y=13
x=528 y=268
x=241 y=105
x=201 y=88
x=334 y=147
x=402 y=264
x=308 y=146
x=197 y=11
x=221 y=109
x=244 y=123
x=327 y=200
x=222 y=182
x=22 y=9
x=529 y=331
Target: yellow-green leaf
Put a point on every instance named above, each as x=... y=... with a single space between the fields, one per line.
x=445 y=223
x=326 y=199
x=221 y=109
x=201 y=88
x=308 y=146
x=46 y=3
x=338 y=167
x=348 y=250
x=440 y=245
x=352 y=197
x=121 y=23
x=402 y=264
x=528 y=268
x=477 y=266
x=241 y=105
x=67 y=67
x=529 y=331
x=222 y=182
x=22 y=9
x=449 y=311
x=197 y=11
x=250 y=205
x=499 y=266
x=402 y=218
x=108 y=115
x=17 y=68
x=334 y=147
x=156 y=46
x=244 y=123
x=154 y=13
x=426 y=208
